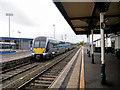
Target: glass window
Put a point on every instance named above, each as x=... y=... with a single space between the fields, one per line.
x=36 y=44
x=7 y=46
x=42 y=44
x=54 y=45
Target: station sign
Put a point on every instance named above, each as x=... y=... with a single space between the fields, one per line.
x=103 y=25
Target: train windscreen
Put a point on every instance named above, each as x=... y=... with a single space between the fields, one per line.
x=40 y=43
x=36 y=44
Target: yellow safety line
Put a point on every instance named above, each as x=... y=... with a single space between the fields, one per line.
x=82 y=78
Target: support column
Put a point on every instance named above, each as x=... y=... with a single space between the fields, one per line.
x=106 y=44
x=89 y=46
x=103 y=77
x=92 y=49
x=88 y=43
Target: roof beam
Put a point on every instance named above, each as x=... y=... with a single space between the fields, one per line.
x=95 y=32
x=110 y=26
x=87 y=27
x=95 y=17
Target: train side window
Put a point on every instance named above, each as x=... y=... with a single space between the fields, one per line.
x=55 y=45
x=7 y=46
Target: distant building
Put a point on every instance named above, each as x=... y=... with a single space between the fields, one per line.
x=21 y=43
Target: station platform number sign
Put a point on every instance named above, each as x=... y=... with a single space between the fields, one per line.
x=103 y=25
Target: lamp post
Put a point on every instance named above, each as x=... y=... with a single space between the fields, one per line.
x=9 y=14
x=19 y=39
x=54 y=30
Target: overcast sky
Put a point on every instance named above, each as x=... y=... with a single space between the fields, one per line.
x=35 y=18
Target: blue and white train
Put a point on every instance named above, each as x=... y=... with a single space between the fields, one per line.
x=7 y=47
x=44 y=47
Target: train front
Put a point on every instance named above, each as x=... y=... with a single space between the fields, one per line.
x=38 y=49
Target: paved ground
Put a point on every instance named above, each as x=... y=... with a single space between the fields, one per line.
x=93 y=71
x=13 y=56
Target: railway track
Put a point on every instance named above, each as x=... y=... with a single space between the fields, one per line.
x=9 y=65
x=15 y=67
x=46 y=78
x=6 y=75
x=31 y=71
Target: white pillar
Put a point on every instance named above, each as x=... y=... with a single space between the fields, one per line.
x=92 y=41
x=87 y=43
x=102 y=39
x=89 y=46
x=106 y=44
x=103 y=77
x=92 y=51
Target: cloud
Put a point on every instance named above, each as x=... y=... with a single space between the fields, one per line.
x=19 y=17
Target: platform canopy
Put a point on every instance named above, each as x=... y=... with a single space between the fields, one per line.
x=85 y=16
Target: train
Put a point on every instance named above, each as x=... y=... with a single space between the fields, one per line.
x=44 y=47
x=7 y=47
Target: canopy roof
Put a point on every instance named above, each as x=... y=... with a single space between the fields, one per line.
x=85 y=16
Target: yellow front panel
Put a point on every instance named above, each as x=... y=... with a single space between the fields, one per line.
x=39 y=50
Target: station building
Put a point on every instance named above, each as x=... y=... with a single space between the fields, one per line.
x=20 y=43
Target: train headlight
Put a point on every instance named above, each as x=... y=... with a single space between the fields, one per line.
x=44 y=54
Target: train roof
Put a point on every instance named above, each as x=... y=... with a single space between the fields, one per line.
x=53 y=40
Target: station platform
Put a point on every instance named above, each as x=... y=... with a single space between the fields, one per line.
x=81 y=73
x=10 y=60
x=13 y=56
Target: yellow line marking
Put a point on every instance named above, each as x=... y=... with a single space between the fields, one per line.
x=82 y=79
